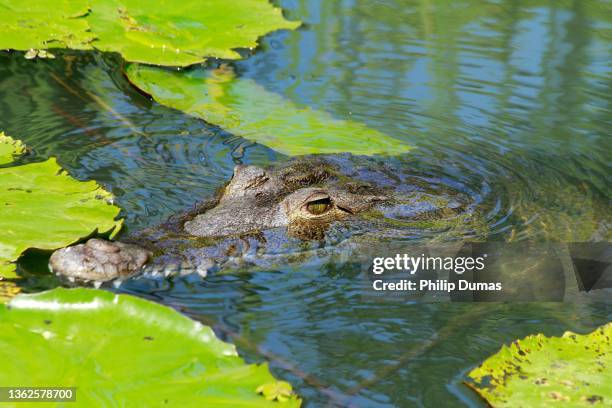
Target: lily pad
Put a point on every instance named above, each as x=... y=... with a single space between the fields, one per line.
x=45 y=24
x=539 y=371
x=7 y=271
x=9 y=148
x=8 y=289
x=166 y=33
x=277 y=391
x=246 y=109
x=124 y=351
x=43 y=207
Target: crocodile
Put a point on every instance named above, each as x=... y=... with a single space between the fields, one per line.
x=262 y=209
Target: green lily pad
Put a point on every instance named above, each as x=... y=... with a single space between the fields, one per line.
x=246 y=109
x=276 y=391
x=166 y=33
x=9 y=148
x=539 y=371
x=7 y=271
x=45 y=24
x=43 y=207
x=124 y=351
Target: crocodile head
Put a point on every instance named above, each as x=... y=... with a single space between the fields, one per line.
x=305 y=197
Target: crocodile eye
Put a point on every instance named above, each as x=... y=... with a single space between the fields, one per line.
x=318 y=207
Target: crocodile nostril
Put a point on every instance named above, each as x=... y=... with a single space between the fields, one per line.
x=257 y=181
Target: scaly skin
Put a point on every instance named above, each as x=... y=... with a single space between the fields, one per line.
x=97 y=260
x=304 y=197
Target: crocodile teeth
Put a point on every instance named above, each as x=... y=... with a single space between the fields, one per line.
x=97 y=284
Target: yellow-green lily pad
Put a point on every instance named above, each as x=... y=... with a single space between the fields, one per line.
x=43 y=207
x=120 y=350
x=45 y=24
x=10 y=148
x=246 y=109
x=573 y=370
x=8 y=289
x=163 y=33
x=276 y=391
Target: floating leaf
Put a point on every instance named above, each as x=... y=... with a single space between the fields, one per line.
x=36 y=25
x=8 y=289
x=276 y=391
x=123 y=351
x=246 y=109
x=539 y=371
x=43 y=207
x=7 y=270
x=172 y=33
x=9 y=148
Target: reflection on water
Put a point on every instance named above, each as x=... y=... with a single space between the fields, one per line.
x=508 y=102
x=155 y=160
x=515 y=93
x=323 y=335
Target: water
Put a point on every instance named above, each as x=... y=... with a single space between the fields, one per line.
x=506 y=101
